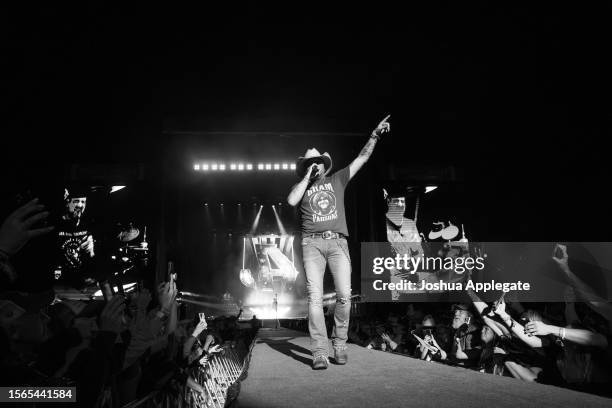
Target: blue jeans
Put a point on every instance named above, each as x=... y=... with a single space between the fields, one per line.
x=317 y=253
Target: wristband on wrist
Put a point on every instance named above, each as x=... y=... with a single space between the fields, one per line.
x=375 y=135
x=561 y=333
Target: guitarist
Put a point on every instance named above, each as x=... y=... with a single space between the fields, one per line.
x=402 y=233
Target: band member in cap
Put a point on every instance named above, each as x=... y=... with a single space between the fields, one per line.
x=320 y=197
x=75 y=241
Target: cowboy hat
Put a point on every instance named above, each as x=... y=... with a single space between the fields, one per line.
x=311 y=156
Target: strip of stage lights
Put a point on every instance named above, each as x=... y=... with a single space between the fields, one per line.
x=217 y=166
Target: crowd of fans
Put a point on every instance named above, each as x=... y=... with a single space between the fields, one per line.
x=565 y=344
x=114 y=351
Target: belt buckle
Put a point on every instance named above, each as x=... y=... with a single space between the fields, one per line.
x=327 y=235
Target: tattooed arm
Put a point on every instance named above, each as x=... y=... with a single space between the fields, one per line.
x=367 y=150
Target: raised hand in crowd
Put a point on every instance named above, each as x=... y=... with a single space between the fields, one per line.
x=204 y=359
x=581 y=289
x=579 y=336
x=200 y=327
x=166 y=295
x=19 y=227
x=434 y=343
x=460 y=354
x=500 y=308
x=560 y=257
x=537 y=328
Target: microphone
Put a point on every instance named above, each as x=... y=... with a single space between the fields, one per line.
x=315 y=173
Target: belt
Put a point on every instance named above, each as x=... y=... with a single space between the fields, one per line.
x=324 y=235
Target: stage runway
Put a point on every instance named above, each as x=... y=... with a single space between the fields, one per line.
x=280 y=375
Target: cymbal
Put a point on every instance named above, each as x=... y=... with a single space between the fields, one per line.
x=128 y=234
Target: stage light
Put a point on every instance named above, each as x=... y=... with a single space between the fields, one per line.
x=221 y=204
x=285 y=166
x=276 y=166
x=279 y=223
x=233 y=166
x=260 y=166
x=269 y=312
x=261 y=304
x=240 y=166
x=249 y=166
x=292 y=166
x=196 y=167
x=222 y=167
x=205 y=167
x=205 y=204
x=430 y=188
x=214 y=167
x=256 y=221
x=247 y=278
x=116 y=188
x=268 y=166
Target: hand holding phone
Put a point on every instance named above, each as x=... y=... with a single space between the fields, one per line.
x=201 y=326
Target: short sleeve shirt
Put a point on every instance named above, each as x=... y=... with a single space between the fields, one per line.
x=322 y=207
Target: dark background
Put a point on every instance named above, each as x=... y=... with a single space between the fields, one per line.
x=516 y=99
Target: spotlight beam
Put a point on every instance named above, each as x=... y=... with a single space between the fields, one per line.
x=256 y=221
x=281 y=228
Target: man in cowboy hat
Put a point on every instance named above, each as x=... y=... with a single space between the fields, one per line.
x=320 y=197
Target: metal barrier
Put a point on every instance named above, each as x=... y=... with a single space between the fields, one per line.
x=217 y=377
x=219 y=374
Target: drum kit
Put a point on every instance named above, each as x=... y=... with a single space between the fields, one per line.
x=129 y=253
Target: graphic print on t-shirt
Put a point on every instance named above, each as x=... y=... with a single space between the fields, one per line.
x=71 y=247
x=322 y=202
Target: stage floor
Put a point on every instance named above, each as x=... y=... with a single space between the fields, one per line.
x=280 y=375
